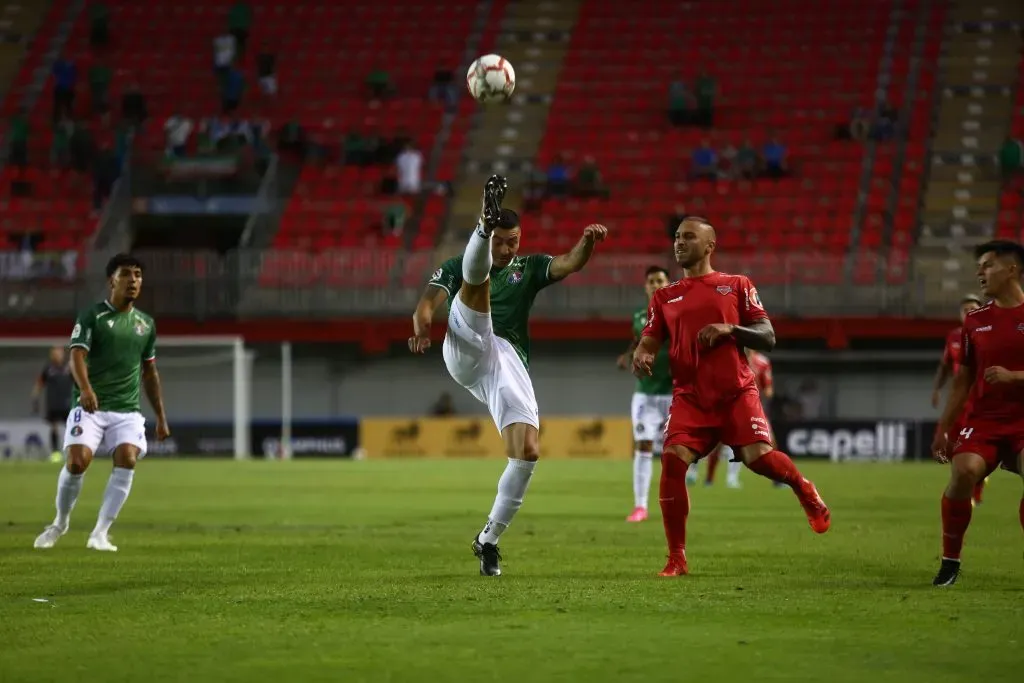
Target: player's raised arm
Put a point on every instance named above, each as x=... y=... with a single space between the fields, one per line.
x=433 y=296
x=573 y=262
x=655 y=332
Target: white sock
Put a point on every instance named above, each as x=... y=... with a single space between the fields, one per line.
x=118 y=487
x=511 y=489
x=68 y=487
x=734 y=471
x=642 y=466
x=476 y=262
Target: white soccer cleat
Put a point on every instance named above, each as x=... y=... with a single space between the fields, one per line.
x=49 y=537
x=733 y=484
x=100 y=542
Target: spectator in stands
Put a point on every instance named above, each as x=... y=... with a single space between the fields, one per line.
x=292 y=139
x=379 y=83
x=266 y=70
x=232 y=89
x=239 y=23
x=409 y=165
x=1011 y=158
x=357 y=151
x=774 y=155
x=443 y=88
x=704 y=162
x=588 y=180
x=860 y=125
x=99 y=25
x=60 y=148
x=558 y=177
x=17 y=137
x=395 y=215
x=883 y=127
x=677 y=216
x=705 y=91
x=65 y=77
x=680 y=104
x=727 y=168
x=746 y=161
x=133 y=106
x=100 y=76
x=534 y=190
x=177 y=130
x=223 y=55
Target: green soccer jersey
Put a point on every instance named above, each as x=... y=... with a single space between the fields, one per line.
x=117 y=343
x=513 y=290
x=660 y=381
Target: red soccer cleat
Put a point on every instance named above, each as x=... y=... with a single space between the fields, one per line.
x=818 y=514
x=676 y=565
x=637 y=515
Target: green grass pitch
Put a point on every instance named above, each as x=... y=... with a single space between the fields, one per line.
x=361 y=571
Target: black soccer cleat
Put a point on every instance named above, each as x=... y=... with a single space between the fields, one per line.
x=489 y=556
x=494 y=195
x=949 y=572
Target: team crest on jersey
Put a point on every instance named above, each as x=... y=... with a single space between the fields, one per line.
x=754 y=297
x=141 y=328
x=515 y=277
x=723 y=289
x=76 y=431
x=437 y=274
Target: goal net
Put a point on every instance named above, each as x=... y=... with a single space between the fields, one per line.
x=206 y=383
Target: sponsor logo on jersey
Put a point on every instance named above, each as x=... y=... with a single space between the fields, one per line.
x=515 y=277
x=1020 y=328
x=76 y=431
x=141 y=328
x=110 y=323
x=672 y=301
x=723 y=289
x=986 y=328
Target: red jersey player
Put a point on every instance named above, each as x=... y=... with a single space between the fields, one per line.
x=706 y=318
x=952 y=354
x=991 y=381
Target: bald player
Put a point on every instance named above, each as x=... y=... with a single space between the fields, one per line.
x=707 y=319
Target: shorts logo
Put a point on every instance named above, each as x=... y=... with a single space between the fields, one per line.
x=76 y=431
x=1020 y=328
x=515 y=278
x=723 y=289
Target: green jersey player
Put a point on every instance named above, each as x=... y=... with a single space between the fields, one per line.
x=652 y=398
x=113 y=352
x=490 y=290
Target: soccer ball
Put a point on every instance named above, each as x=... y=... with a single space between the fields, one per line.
x=491 y=78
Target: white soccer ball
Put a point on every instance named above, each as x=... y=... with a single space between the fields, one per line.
x=491 y=78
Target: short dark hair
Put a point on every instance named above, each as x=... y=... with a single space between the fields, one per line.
x=655 y=269
x=508 y=219
x=119 y=261
x=1001 y=248
x=972 y=299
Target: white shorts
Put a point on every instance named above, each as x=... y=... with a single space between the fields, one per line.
x=101 y=432
x=488 y=367
x=649 y=413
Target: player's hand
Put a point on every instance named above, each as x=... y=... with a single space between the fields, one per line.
x=997 y=374
x=622 y=362
x=419 y=342
x=936 y=398
x=713 y=333
x=643 y=363
x=940 y=444
x=595 y=232
x=162 y=430
x=88 y=401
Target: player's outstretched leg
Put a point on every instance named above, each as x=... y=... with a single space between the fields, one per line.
x=69 y=485
x=712 y=466
x=522 y=445
x=966 y=470
x=773 y=464
x=114 y=496
x=675 y=506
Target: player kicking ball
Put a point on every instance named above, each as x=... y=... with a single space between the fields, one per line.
x=991 y=384
x=649 y=406
x=113 y=350
x=707 y=319
x=490 y=290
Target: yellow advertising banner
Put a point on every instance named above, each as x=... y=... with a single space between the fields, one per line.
x=461 y=437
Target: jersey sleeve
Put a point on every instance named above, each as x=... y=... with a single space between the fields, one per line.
x=751 y=308
x=448 y=277
x=81 y=333
x=540 y=270
x=149 y=350
x=655 y=326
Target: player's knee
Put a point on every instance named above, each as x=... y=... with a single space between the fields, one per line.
x=125 y=457
x=752 y=452
x=78 y=459
x=967 y=470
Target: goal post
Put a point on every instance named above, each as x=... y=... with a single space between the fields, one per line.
x=22 y=358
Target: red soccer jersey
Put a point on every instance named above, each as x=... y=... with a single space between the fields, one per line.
x=994 y=336
x=952 y=355
x=762 y=368
x=707 y=376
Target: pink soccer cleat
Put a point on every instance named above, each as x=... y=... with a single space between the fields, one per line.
x=637 y=515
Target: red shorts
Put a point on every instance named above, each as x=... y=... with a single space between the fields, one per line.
x=998 y=442
x=736 y=424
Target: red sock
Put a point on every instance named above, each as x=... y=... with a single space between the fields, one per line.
x=777 y=466
x=956 y=516
x=675 y=501
x=712 y=466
